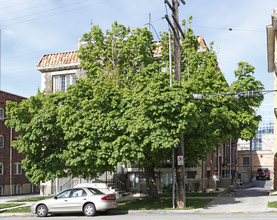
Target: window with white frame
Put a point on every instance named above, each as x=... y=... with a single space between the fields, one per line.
x=17 y=169
x=61 y=82
x=1 y=168
x=2 y=114
x=1 y=141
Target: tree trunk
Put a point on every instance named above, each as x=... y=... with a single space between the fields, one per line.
x=151 y=182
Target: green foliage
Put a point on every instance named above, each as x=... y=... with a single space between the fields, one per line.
x=125 y=112
x=40 y=136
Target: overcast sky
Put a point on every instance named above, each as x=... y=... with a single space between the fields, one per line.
x=32 y=28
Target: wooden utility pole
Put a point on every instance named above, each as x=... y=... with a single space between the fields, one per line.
x=177 y=47
x=180 y=175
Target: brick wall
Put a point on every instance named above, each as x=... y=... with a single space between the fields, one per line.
x=5 y=152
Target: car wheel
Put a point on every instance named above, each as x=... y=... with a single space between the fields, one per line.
x=42 y=211
x=89 y=209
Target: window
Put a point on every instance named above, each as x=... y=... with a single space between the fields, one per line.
x=78 y=193
x=60 y=83
x=191 y=174
x=1 y=169
x=64 y=194
x=2 y=114
x=17 y=189
x=1 y=141
x=245 y=161
x=95 y=191
x=17 y=169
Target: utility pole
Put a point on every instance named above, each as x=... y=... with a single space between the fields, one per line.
x=176 y=28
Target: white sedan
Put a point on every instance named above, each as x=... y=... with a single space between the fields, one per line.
x=85 y=199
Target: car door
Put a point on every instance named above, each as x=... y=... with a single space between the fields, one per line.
x=60 y=202
x=77 y=198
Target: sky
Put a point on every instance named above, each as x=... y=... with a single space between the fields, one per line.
x=31 y=29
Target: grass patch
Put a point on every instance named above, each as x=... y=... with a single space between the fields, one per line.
x=193 y=194
x=136 y=204
x=31 y=199
x=4 y=206
x=272 y=204
x=158 y=204
x=24 y=209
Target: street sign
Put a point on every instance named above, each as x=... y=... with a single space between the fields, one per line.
x=180 y=160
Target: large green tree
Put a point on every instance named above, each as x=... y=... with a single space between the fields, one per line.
x=125 y=111
x=41 y=137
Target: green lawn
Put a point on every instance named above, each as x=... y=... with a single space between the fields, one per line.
x=157 y=204
x=272 y=204
x=193 y=194
x=9 y=205
x=24 y=209
x=31 y=199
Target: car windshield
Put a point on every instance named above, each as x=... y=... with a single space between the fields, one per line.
x=95 y=191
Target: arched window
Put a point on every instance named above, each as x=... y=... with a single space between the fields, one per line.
x=1 y=141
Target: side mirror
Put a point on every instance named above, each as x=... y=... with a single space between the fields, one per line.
x=55 y=197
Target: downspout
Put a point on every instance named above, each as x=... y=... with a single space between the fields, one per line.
x=11 y=139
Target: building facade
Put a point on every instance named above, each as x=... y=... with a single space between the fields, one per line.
x=262 y=146
x=58 y=71
x=12 y=178
x=271 y=30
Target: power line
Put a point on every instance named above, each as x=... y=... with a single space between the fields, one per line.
x=43 y=11
x=200 y=96
x=154 y=30
x=21 y=3
x=30 y=8
x=57 y=13
x=230 y=28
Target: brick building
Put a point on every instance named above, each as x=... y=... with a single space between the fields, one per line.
x=262 y=153
x=12 y=178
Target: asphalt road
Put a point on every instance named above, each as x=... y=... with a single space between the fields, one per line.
x=161 y=217
x=256 y=188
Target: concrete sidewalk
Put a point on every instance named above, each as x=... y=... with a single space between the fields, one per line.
x=9 y=199
x=4 y=199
